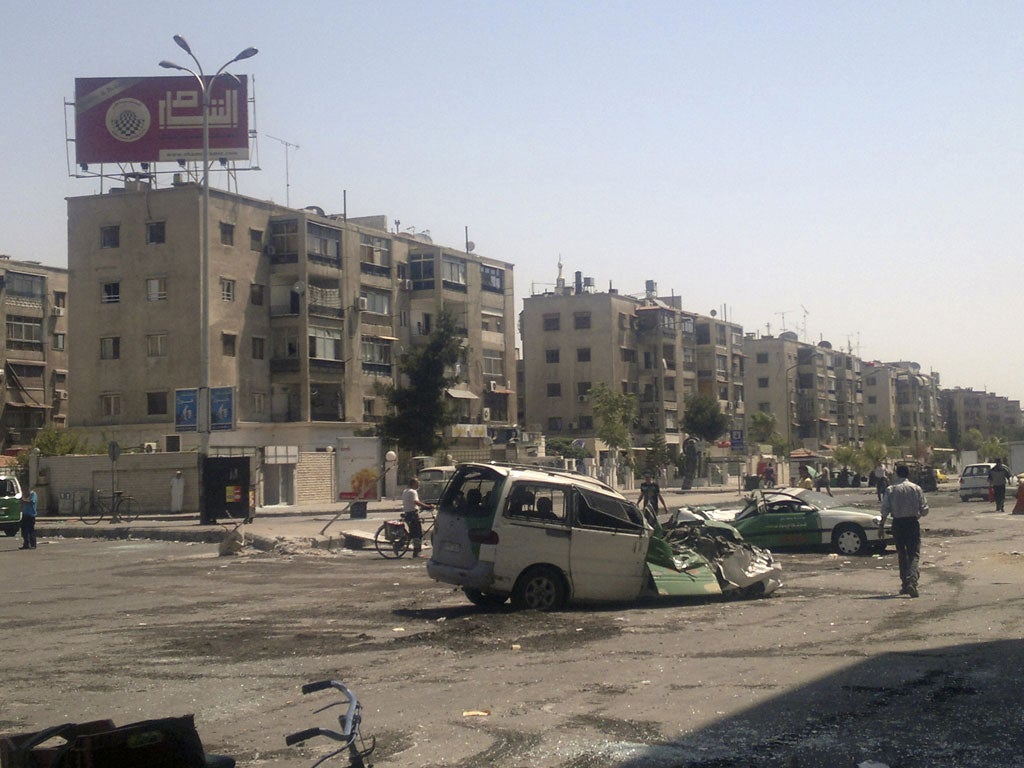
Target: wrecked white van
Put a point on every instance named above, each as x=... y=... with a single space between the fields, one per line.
x=544 y=537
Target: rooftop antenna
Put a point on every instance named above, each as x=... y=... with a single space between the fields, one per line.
x=783 y=316
x=804 y=330
x=287 y=180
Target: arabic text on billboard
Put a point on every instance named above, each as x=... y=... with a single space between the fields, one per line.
x=152 y=119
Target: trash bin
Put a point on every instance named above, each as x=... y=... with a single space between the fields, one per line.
x=357 y=510
x=751 y=483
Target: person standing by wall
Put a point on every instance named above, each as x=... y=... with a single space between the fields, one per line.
x=411 y=506
x=906 y=503
x=177 y=492
x=28 y=519
x=997 y=479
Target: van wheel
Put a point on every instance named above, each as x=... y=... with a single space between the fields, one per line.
x=540 y=588
x=10 y=531
x=484 y=599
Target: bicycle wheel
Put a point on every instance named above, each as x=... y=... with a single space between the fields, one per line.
x=390 y=541
x=93 y=513
x=127 y=511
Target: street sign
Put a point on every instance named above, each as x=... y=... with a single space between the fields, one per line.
x=113 y=450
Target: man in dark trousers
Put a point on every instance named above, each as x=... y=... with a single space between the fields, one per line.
x=28 y=519
x=997 y=479
x=905 y=501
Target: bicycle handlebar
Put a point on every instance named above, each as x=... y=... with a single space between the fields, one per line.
x=349 y=722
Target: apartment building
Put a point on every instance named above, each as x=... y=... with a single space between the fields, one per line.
x=308 y=312
x=985 y=411
x=34 y=303
x=575 y=337
x=918 y=416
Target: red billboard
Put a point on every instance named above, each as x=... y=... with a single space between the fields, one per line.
x=152 y=119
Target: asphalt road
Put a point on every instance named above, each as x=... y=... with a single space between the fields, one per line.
x=833 y=670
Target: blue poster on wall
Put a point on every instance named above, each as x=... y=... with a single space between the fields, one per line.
x=186 y=410
x=222 y=408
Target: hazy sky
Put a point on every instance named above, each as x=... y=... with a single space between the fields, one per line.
x=852 y=169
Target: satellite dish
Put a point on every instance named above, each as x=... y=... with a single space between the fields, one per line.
x=470 y=246
x=714 y=313
x=299 y=288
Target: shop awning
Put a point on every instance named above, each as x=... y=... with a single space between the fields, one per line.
x=463 y=394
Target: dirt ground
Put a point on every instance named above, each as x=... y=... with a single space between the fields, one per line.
x=833 y=670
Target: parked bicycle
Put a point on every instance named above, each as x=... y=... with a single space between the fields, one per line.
x=392 y=539
x=119 y=509
x=349 y=737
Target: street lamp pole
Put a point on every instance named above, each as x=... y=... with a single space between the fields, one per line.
x=205 y=88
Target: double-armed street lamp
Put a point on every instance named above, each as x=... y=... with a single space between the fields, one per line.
x=205 y=88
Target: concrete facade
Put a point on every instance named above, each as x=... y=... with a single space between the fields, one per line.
x=308 y=312
x=34 y=304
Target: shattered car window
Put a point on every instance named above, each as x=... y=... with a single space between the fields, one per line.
x=473 y=492
x=596 y=511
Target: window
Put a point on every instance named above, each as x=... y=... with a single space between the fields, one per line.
x=32 y=286
x=228 y=344
x=554 y=389
x=59 y=341
x=156 y=403
x=258 y=402
x=110 y=405
x=628 y=355
x=762 y=382
x=377 y=302
x=872 y=400
x=227 y=289
x=111 y=293
x=493 y=362
x=670 y=383
x=492 y=279
x=583 y=355
x=544 y=504
x=155 y=232
x=286 y=344
x=24 y=332
x=60 y=299
x=376 y=356
x=582 y=388
x=762 y=357
x=259 y=347
x=110 y=236
x=453 y=273
x=256 y=294
x=284 y=238
x=550 y=355
x=581 y=320
x=227 y=233
x=721 y=335
x=421 y=270
x=623 y=321
x=325 y=343
x=255 y=239
x=492 y=321
x=555 y=424
x=156 y=289
x=323 y=243
x=375 y=250
x=552 y=322
x=110 y=348
x=156 y=345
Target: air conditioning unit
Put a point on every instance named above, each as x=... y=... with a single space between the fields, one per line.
x=582 y=398
x=149 y=447
x=485 y=414
x=62 y=394
x=57 y=311
x=492 y=386
x=362 y=304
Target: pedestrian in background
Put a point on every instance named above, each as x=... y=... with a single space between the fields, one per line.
x=28 y=519
x=906 y=503
x=177 y=492
x=881 y=479
x=411 y=506
x=824 y=480
x=997 y=479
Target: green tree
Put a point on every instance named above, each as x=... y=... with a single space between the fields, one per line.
x=874 y=452
x=418 y=411
x=971 y=440
x=994 y=448
x=563 y=446
x=657 y=454
x=62 y=442
x=704 y=418
x=762 y=427
x=614 y=414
